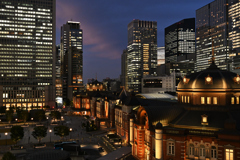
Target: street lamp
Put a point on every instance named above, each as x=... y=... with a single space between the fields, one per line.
x=47 y=120
x=50 y=131
x=6 y=137
x=16 y=119
x=70 y=129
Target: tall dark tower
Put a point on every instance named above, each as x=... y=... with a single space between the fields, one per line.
x=142 y=52
x=180 y=46
x=71 y=59
x=27 y=51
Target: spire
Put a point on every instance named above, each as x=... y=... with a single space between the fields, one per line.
x=213 y=65
x=213 y=58
x=96 y=76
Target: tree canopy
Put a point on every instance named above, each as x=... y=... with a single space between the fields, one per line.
x=39 y=133
x=8 y=156
x=40 y=115
x=17 y=133
x=61 y=131
x=9 y=115
x=55 y=114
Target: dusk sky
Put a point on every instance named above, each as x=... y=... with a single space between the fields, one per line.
x=104 y=24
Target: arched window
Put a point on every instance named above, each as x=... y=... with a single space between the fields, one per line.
x=202 y=151
x=191 y=150
x=215 y=100
x=232 y=100
x=213 y=152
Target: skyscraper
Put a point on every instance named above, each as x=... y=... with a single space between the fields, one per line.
x=180 y=41
x=27 y=51
x=71 y=59
x=180 y=46
x=217 y=28
x=142 y=52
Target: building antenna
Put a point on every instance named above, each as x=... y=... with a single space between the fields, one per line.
x=96 y=76
x=213 y=58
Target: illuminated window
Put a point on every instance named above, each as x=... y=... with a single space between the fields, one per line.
x=202 y=151
x=229 y=154
x=202 y=100
x=170 y=148
x=214 y=100
x=208 y=100
x=188 y=99
x=185 y=99
x=204 y=120
x=237 y=100
x=182 y=99
x=213 y=152
x=232 y=100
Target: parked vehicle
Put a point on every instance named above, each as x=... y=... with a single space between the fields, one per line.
x=59 y=145
x=18 y=147
x=40 y=145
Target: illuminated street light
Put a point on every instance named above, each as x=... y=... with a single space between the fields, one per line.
x=6 y=137
x=50 y=131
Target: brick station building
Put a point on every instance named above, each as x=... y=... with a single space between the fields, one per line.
x=203 y=124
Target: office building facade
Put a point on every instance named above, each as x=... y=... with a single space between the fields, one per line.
x=71 y=59
x=180 y=46
x=27 y=51
x=217 y=29
x=142 y=52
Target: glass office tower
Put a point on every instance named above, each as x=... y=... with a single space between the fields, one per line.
x=71 y=59
x=27 y=53
x=142 y=52
x=217 y=25
x=180 y=47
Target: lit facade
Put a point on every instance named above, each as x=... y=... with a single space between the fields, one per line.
x=204 y=124
x=71 y=59
x=217 y=22
x=160 y=55
x=159 y=83
x=58 y=73
x=180 y=41
x=27 y=51
x=180 y=46
x=142 y=52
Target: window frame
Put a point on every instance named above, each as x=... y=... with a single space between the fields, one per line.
x=171 y=148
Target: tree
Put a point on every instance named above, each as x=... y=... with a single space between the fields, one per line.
x=24 y=115
x=39 y=133
x=3 y=109
x=67 y=102
x=40 y=115
x=17 y=133
x=9 y=115
x=8 y=156
x=55 y=115
x=61 y=131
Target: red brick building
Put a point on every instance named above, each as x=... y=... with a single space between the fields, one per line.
x=204 y=124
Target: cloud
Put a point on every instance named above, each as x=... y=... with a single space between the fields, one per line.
x=96 y=41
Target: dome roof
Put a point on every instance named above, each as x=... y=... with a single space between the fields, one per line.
x=158 y=125
x=210 y=78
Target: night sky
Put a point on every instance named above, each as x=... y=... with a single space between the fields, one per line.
x=104 y=24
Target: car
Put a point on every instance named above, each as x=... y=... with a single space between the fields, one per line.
x=100 y=149
x=18 y=147
x=39 y=145
x=59 y=145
